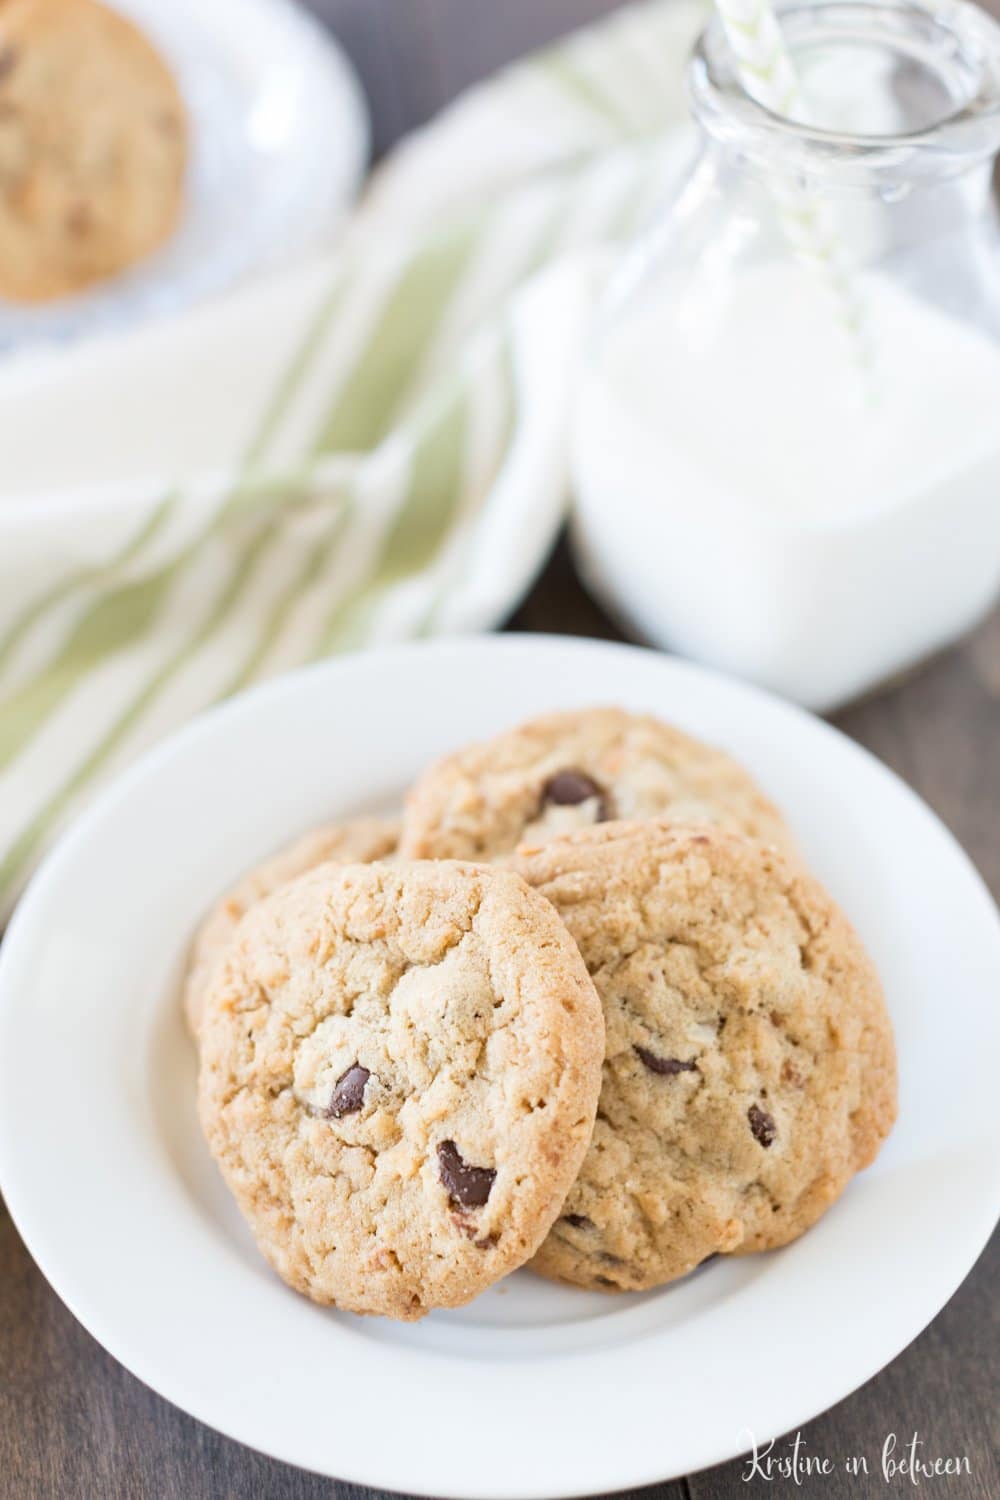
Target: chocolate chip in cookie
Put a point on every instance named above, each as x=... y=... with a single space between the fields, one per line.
x=566 y=771
x=468 y=1186
x=762 y=1125
x=571 y=788
x=667 y=1066
x=349 y=1092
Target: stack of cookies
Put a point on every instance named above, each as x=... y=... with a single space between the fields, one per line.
x=580 y=1007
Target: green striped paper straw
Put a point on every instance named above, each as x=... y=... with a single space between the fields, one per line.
x=767 y=72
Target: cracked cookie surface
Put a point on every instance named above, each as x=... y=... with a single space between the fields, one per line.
x=400 y=1066
x=566 y=771
x=359 y=840
x=750 y=1068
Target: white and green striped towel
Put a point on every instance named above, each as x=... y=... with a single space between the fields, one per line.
x=370 y=448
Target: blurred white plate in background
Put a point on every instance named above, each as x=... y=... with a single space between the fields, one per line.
x=279 y=143
x=534 y=1389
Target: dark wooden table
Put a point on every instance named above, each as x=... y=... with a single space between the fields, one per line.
x=75 y=1426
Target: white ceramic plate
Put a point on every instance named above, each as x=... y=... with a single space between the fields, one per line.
x=279 y=141
x=533 y=1390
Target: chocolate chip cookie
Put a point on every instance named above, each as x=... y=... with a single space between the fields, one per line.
x=570 y=770
x=400 y=1066
x=359 y=840
x=750 y=1069
x=93 y=147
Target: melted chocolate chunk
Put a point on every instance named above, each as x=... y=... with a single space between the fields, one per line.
x=349 y=1092
x=668 y=1066
x=468 y=1187
x=578 y=1221
x=569 y=788
x=761 y=1125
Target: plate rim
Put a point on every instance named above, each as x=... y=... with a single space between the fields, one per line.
x=984 y=1211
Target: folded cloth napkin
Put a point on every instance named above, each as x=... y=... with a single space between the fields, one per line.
x=368 y=448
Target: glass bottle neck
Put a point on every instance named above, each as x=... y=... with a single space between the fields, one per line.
x=897 y=95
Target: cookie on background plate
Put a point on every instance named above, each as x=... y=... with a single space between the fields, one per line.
x=750 y=1068
x=359 y=840
x=93 y=147
x=570 y=770
x=400 y=1066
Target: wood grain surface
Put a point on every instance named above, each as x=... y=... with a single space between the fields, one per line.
x=75 y=1426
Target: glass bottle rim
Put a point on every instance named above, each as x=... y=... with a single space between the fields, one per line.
x=962 y=39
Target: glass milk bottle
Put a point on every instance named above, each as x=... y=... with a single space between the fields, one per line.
x=791 y=474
